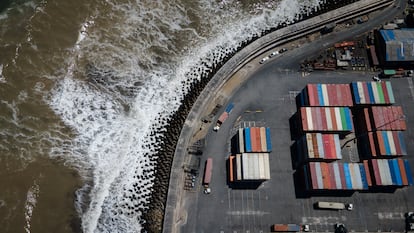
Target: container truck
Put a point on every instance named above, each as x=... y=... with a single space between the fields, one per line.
x=289 y=228
x=333 y=205
x=223 y=116
x=207 y=175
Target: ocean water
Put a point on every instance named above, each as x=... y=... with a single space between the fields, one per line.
x=84 y=82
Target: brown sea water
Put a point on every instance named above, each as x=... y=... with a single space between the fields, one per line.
x=85 y=83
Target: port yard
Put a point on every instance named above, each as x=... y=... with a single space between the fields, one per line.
x=281 y=199
x=268 y=99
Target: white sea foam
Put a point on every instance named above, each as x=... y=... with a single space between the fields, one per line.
x=30 y=204
x=155 y=45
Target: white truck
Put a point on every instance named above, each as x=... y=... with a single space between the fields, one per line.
x=333 y=205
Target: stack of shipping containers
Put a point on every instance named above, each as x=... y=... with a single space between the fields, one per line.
x=325 y=111
x=390 y=172
x=251 y=147
x=318 y=147
x=321 y=176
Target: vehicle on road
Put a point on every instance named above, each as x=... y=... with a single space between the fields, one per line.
x=376 y=78
x=333 y=205
x=273 y=54
x=289 y=228
x=409 y=220
x=340 y=228
x=263 y=60
x=282 y=50
x=207 y=175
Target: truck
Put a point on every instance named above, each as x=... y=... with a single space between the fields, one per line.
x=333 y=205
x=207 y=175
x=289 y=228
x=223 y=117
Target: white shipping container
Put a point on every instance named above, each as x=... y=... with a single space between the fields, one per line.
x=319 y=140
x=375 y=91
x=319 y=175
x=263 y=139
x=361 y=93
x=391 y=143
x=338 y=119
x=241 y=141
x=238 y=167
x=309 y=118
x=325 y=95
x=328 y=118
x=311 y=153
x=261 y=167
x=337 y=146
x=358 y=175
x=267 y=166
x=337 y=176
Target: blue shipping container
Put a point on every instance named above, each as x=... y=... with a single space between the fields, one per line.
x=357 y=99
x=348 y=118
x=408 y=171
x=386 y=142
x=363 y=176
x=247 y=140
x=347 y=176
x=397 y=172
x=229 y=107
x=371 y=93
x=268 y=140
x=402 y=143
x=320 y=95
x=392 y=172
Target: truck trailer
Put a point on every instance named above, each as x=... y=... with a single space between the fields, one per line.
x=207 y=175
x=289 y=228
x=333 y=205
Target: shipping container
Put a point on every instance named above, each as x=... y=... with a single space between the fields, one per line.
x=241 y=140
x=372 y=93
x=223 y=117
x=263 y=140
x=239 y=167
x=247 y=139
x=408 y=172
x=317 y=146
x=231 y=171
x=286 y=228
x=229 y=108
x=207 y=171
x=268 y=140
x=315 y=119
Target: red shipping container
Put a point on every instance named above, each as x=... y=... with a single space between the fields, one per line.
x=325 y=175
x=402 y=119
x=367 y=119
x=385 y=91
x=257 y=140
x=395 y=118
x=315 y=97
x=314 y=179
x=258 y=144
x=397 y=142
x=325 y=143
x=375 y=169
x=380 y=140
x=403 y=172
x=253 y=139
x=334 y=125
x=366 y=93
x=367 y=173
x=332 y=176
x=372 y=144
x=303 y=118
x=341 y=172
x=323 y=117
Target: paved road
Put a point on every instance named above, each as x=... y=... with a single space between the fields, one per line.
x=271 y=89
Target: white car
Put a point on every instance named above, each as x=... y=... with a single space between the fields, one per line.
x=375 y=78
x=273 y=54
x=263 y=60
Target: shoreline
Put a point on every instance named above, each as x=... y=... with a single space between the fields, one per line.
x=162 y=211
